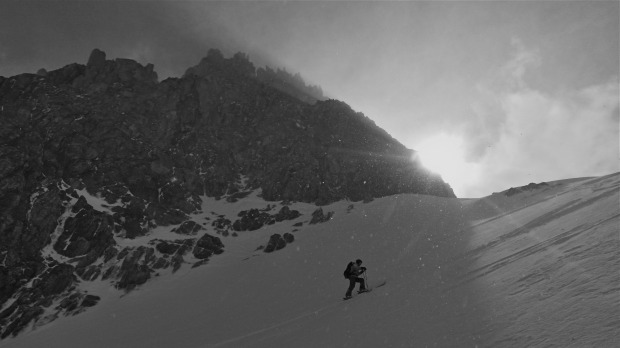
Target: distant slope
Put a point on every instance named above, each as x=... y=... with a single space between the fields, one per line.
x=535 y=269
x=547 y=265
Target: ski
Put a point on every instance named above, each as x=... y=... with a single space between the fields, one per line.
x=367 y=290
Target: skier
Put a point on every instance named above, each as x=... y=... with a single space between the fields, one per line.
x=355 y=271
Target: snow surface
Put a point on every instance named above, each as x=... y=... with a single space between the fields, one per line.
x=539 y=268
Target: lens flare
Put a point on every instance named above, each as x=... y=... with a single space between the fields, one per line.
x=444 y=154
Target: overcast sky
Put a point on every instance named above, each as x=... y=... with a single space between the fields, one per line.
x=523 y=91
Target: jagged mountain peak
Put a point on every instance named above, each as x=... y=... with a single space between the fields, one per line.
x=109 y=174
x=240 y=65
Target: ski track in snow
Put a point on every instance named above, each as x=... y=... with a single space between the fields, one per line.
x=535 y=269
x=312 y=313
x=315 y=312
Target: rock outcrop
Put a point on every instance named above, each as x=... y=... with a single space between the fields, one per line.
x=254 y=219
x=95 y=155
x=529 y=187
x=278 y=241
x=318 y=216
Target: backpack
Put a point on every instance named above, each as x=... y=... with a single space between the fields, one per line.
x=347 y=271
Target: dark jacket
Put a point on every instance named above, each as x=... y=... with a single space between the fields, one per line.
x=356 y=270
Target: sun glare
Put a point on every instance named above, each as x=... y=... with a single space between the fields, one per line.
x=444 y=155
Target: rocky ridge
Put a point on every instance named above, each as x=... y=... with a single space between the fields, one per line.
x=104 y=170
x=529 y=187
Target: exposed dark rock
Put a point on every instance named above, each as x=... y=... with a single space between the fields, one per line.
x=101 y=74
x=318 y=216
x=66 y=75
x=276 y=242
x=90 y=300
x=173 y=253
x=109 y=254
x=169 y=248
x=529 y=187
x=288 y=238
x=54 y=280
x=179 y=246
x=44 y=214
x=89 y=232
x=133 y=228
x=187 y=245
x=251 y=220
x=8 y=311
x=188 y=228
x=208 y=245
x=149 y=255
x=96 y=59
x=88 y=273
x=292 y=85
x=166 y=217
x=286 y=213
x=161 y=263
x=137 y=264
x=254 y=219
x=177 y=261
x=109 y=272
x=133 y=275
x=121 y=255
x=221 y=224
x=70 y=303
x=237 y=196
x=26 y=315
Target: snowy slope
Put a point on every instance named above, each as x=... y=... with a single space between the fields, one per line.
x=539 y=268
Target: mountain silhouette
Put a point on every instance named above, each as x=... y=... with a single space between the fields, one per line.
x=104 y=168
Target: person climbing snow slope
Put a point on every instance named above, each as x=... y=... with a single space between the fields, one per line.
x=355 y=269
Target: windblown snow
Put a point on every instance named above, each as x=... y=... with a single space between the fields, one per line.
x=539 y=268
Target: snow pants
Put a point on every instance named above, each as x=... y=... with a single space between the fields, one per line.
x=352 y=281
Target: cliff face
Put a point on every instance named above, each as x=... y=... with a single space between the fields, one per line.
x=150 y=149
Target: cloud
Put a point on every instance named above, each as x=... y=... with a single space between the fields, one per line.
x=560 y=133
x=513 y=72
x=521 y=134
x=489 y=116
